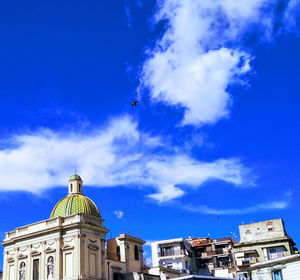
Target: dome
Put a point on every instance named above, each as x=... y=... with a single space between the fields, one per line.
x=74 y=204
x=75 y=177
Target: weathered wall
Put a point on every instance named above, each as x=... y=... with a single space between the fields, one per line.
x=261 y=230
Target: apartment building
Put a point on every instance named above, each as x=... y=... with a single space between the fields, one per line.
x=259 y=242
x=285 y=268
x=174 y=254
x=214 y=255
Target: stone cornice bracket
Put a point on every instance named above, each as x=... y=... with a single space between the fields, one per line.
x=50 y=250
x=21 y=256
x=35 y=253
x=10 y=259
x=67 y=247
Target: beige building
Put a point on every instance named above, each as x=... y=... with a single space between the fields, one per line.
x=124 y=256
x=259 y=242
x=71 y=245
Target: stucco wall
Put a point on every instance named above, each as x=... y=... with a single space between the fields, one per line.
x=259 y=231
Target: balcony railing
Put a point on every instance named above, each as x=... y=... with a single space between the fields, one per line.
x=220 y=265
x=211 y=253
x=171 y=253
x=247 y=261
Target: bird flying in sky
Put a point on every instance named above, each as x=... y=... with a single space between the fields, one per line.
x=134 y=103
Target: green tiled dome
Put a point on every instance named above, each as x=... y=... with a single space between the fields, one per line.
x=75 y=177
x=73 y=204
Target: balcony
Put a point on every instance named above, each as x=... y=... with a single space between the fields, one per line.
x=246 y=261
x=211 y=253
x=168 y=253
x=219 y=265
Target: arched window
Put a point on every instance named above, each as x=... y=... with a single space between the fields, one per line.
x=22 y=271
x=136 y=253
x=50 y=268
x=118 y=253
x=71 y=188
x=79 y=187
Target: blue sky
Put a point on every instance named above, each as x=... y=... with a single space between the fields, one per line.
x=215 y=132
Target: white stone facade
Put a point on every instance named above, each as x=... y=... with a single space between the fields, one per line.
x=71 y=247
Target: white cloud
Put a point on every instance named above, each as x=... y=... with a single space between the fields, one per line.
x=201 y=53
x=119 y=213
x=293 y=8
x=274 y=205
x=116 y=155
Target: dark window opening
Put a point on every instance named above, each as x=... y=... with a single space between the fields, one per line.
x=118 y=276
x=118 y=253
x=36 y=268
x=136 y=253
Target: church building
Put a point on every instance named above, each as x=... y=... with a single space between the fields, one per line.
x=71 y=245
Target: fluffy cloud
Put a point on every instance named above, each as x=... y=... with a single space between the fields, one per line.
x=202 y=52
x=116 y=155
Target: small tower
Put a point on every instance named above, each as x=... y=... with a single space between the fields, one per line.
x=75 y=184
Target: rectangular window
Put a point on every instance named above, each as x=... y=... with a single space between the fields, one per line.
x=36 y=269
x=167 y=251
x=68 y=264
x=277 y=275
x=277 y=252
x=11 y=272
